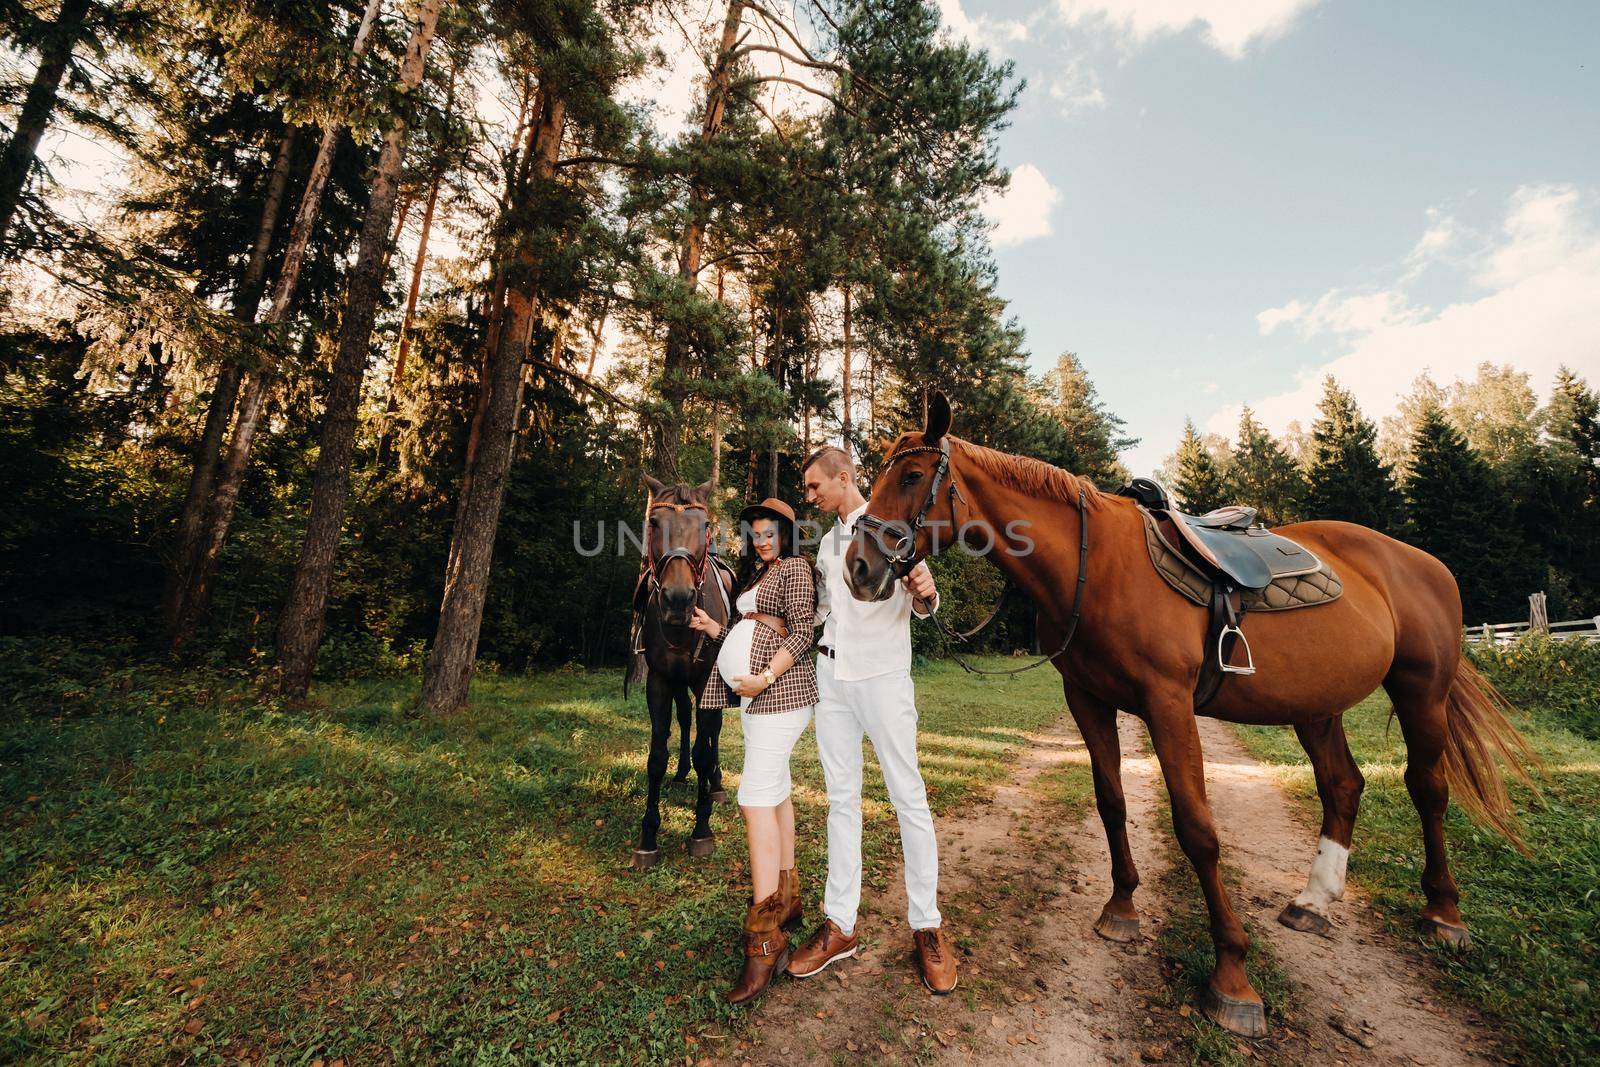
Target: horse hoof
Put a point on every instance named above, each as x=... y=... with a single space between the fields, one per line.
x=1247 y=1018
x=1446 y=933
x=1305 y=920
x=678 y=785
x=719 y=796
x=1116 y=928
x=701 y=847
x=643 y=860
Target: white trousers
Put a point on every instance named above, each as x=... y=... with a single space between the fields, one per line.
x=884 y=709
x=768 y=740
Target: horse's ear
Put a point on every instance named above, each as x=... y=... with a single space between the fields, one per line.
x=703 y=490
x=656 y=488
x=938 y=419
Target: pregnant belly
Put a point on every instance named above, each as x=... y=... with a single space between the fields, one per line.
x=734 y=659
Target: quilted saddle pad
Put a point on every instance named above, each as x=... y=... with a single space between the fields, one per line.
x=1321 y=586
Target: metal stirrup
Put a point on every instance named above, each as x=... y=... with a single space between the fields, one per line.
x=1222 y=661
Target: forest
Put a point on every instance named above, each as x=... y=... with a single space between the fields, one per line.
x=393 y=297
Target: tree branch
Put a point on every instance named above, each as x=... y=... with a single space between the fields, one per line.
x=773 y=20
x=798 y=84
x=544 y=364
x=753 y=102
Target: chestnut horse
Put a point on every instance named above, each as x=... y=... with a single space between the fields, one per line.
x=1137 y=645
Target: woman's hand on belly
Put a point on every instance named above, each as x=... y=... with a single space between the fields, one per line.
x=749 y=685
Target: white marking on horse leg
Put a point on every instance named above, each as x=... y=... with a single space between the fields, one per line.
x=1326 y=883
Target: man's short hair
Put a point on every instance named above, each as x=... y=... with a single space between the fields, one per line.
x=832 y=459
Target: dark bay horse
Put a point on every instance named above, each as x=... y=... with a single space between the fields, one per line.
x=1138 y=646
x=680 y=573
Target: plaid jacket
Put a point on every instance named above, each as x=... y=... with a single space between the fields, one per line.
x=788 y=590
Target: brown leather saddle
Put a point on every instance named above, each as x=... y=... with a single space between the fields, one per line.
x=1228 y=563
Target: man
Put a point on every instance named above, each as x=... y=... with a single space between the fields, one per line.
x=864 y=688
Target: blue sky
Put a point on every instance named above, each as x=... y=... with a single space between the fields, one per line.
x=1216 y=203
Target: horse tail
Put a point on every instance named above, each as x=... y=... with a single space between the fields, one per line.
x=1477 y=731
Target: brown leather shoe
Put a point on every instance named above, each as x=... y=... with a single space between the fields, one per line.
x=766 y=950
x=826 y=946
x=789 y=890
x=938 y=960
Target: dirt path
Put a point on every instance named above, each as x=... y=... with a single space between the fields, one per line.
x=1037 y=985
x=1356 y=987
x=1021 y=887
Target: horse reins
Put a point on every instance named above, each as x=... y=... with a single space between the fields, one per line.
x=905 y=558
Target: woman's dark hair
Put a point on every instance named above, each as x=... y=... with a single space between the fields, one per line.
x=749 y=562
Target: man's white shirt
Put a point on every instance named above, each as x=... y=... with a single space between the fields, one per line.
x=868 y=638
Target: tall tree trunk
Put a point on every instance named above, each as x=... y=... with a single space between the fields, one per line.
x=403 y=214
x=669 y=430
x=845 y=376
x=716 y=415
x=455 y=645
x=200 y=567
x=872 y=396
x=16 y=162
x=386 y=429
x=226 y=390
x=305 y=613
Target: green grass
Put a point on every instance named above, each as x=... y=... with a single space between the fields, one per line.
x=1535 y=921
x=191 y=874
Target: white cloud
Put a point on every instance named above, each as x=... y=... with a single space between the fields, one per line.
x=1337 y=311
x=1544 y=229
x=1229 y=26
x=1076 y=87
x=1022 y=212
x=982 y=32
x=1541 y=309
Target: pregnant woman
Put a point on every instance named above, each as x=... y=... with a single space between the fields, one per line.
x=764 y=666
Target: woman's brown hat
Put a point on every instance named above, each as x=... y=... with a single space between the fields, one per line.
x=770 y=508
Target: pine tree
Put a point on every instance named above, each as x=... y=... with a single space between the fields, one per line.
x=304 y=615
x=1345 y=479
x=1456 y=513
x=1263 y=476
x=1200 y=484
x=1094 y=435
x=1569 y=523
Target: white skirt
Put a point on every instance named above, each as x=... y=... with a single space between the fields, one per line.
x=768 y=740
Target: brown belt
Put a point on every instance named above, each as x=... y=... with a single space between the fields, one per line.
x=772 y=622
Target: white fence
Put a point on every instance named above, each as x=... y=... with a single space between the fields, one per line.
x=1506 y=632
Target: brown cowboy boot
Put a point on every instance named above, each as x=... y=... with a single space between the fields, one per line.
x=766 y=950
x=789 y=891
x=938 y=960
x=826 y=946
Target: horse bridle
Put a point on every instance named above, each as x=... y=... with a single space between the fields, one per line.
x=905 y=557
x=698 y=564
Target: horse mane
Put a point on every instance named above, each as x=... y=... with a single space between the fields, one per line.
x=680 y=493
x=1027 y=475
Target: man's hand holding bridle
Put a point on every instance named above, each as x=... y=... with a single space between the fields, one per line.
x=919 y=583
